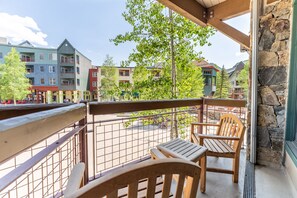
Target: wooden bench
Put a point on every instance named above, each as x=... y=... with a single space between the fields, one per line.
x=152 y=178
x=225 y=143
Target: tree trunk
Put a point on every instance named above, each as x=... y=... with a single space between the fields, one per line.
x=174 y=133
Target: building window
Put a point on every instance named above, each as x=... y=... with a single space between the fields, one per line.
x=78 y=82
x=30 y=69
x=124 y=72
x=1 y=55
x=77 y=59
x=51 y=69
x=42 y=81
x=207 y=72
x=94 y=74
x=41 y=68
x=66 y=82
x=31 y=81
x=52 y=81
x=77 y=70
x=41 y=56
x=52 y=56
x=94 y=84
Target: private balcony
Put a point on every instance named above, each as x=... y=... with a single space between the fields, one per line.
x=67 y=74
x=105 y=136
x=67 y=60
x=27 y=57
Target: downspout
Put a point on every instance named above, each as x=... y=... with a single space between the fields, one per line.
x=256 y=4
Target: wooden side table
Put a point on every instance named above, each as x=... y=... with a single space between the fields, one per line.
x=182 y=149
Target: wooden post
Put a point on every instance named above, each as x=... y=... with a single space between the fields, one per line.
x=83 y=139
x=200 y=129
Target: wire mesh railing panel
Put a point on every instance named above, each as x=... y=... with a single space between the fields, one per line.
x=49 y=176
x=211 y=114
x=121 y=140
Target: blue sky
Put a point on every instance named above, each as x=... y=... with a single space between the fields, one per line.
x=89 y=24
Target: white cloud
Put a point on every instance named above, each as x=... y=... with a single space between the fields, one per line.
x=18 y=29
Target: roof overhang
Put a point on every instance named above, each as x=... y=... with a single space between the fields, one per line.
x=214 y=14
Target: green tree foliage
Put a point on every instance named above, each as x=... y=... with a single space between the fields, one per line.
x=243 y=78
x=13 y=81
x=109 y=88
x=223 y=84
x=156 y=33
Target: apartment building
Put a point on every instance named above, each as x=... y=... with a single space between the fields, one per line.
x=93 y=83
x=236 y=91
x=73 y=73
x=209 y=71
x=122 y=75
x=41 y=65
x=56 y=74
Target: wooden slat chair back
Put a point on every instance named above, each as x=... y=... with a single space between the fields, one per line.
x=225 y=143
x=231 y=126
x=142 y=180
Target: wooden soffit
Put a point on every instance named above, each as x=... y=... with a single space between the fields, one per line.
x=213 y=13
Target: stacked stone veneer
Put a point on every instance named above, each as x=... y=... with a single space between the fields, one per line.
x=272 y=81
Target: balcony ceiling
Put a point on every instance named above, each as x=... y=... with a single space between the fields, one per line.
x=209 y=3
x=213 y=13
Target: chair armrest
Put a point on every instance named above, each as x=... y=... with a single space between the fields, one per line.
x=156 y=154
x=75 y=179
x=205 y=124
x=204 y=136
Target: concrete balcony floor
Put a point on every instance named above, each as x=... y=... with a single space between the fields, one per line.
x=273 y=183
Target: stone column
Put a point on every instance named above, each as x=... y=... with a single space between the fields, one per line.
x=272 y=77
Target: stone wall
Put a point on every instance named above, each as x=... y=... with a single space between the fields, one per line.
x=272 y=81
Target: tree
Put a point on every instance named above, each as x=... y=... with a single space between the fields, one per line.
x=162 y=36
x=109 y=88
x=13 y=81
x=222 y=85
x=243 y=78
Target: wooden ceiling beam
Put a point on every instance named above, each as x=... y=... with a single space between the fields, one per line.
x=231 y=32
x=230 y=8
x=271 y=1
x=190 y=9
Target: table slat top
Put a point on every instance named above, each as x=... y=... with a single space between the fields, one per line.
x=182 y=149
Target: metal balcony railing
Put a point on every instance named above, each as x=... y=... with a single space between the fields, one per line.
x=27 y=59
x=38 y=160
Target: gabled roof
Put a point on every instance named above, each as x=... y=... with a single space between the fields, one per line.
x=66 y=41
x=236 y=68
x=205 y=64
x=26 y=43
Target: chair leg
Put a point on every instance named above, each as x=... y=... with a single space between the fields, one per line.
x=236 y=168
x=202 y=164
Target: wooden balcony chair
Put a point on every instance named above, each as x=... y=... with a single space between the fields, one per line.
x=152 y=178
x=225 y=143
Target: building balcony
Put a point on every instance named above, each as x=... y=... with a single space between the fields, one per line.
x=27 y=59
x=62 y=137
x=67 y=74
x=67 y=87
